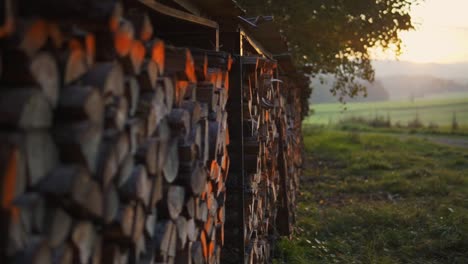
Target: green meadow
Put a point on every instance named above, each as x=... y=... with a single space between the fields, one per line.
x=379 y=198
x=438 y=111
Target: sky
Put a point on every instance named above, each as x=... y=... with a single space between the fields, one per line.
x=441 y=34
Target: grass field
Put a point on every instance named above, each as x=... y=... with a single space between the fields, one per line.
x=376 y=198
x=432 y=110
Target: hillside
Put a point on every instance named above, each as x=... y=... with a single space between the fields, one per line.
x=418 y=86
x=321 y=92
x=393 y=87
x=454 y=71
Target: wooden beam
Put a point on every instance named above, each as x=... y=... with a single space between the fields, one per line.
x=257 y=46
x=189 y=6
x=169 y=11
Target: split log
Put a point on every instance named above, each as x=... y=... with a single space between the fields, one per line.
x=202 y=212
x=206 y=94
x=74 y=61
x=121 y=228
x=133 y=61
x=63 y=254
x=205 y=144
x=184 y=256
x=156 y=191
x=116 y=114
x=138 y=223
x=214 y=139
x=158 y=54
x=194 y=109
x=25 y=217
x=179 y=62
x=179 y=122
x=40 y=72
x=197 y=253
x=123 y=38
x=137 y=186
x=96 y=255
x=147 y=155
x=151 y=109
x=15 y=236
x=195 y=179
x=110 y=204
x=188 y=154
x=190 y=92
x=191 y=206
x=85 y=39
x=132 y=93
x=215 y=59
x=163 y=134
x=79 y=143
x=171 y=166
x=108 y=77
x=192 y=230
x=136 y=133
x=37 y=251
x=169 y=90
x=175 y=201
x=200 y=60
x=125 y=170
x=181 y=225
x=83 y=238
x=150 y=225
x=204 y=245
x=29 y=35
x=58 y=226
x=12 y=172
x=107 y=163
x=142 y=23
x=148 y=75
x=25 y=109
x=41 y=155
x=82 y=195
x=122 y=146
x=80 y=103
x=163 y=235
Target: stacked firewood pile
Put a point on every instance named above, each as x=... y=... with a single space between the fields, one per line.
x=112 y=143
x=290 y=155
x=272 y=144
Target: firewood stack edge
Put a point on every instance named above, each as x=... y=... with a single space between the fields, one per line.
x=115 y=145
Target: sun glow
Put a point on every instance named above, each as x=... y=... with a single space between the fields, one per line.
x=441 y=34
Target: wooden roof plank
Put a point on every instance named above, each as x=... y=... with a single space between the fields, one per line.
x=169 y=11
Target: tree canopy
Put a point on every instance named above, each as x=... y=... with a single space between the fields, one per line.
x=336 y=36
